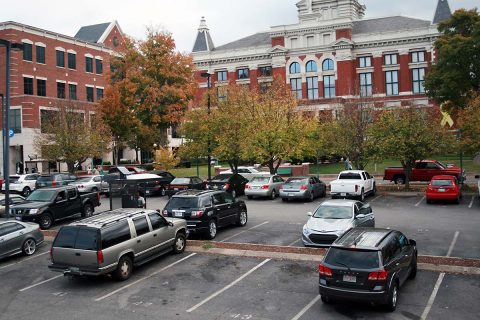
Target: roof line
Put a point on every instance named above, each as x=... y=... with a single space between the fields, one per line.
x=108 y=30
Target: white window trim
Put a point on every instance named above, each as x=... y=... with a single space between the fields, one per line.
x=99 y=58
x=40 y=44
x=41 y=78
x=88 y=55
x=27 y=76
x=59 y=49
x=75 y=83
x=98 y=87
x=90 y=85
x=27 y=41
x=71 y=51
x=62 y=81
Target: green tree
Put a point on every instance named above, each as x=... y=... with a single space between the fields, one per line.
x=469 y=124
x=455 y=75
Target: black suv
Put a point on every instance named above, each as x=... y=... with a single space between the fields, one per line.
x=206 y=211
x=368 y=264
x=54 y=180
x=230 y=182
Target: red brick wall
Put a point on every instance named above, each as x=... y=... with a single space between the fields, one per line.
x=346 y=78
x=378 y=75
x=405 y=76
x=278 y=41
x=109 y=39
x=344 y=33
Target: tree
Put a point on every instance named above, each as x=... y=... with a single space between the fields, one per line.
x=70 y=133
x=469 y=124
x=409 y=134
x=164 y=159
x=455 y=75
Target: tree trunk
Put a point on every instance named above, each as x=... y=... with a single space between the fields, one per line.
x=277 y=166
x=408 y=172
x=271 y=166
x=71 y=166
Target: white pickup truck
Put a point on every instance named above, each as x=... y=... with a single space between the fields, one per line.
x=353 y=184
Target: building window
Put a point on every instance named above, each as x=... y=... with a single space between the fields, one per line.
x=392 y=83
x=329 y=86
x=265 y=71
x=27 y=85
x=72 y=61
x=418 y=56
x=326 y=39
x=15 y=120
x=222 y=93
x=310 y=41
x=89 y=94
x=222 y=75
x=242 y=73
x=295 y=68
x=264 y=86
x=312 y=88
x=89 y=64
x=60 y=58
x=47 y=117
x=418 y=76
x=40 y=54
x=390 y=59
x=72 y=91
x=41 y=88
x=98 y=66
x=311 y=66
x=27 y=51
x=364 y=62
x=99 y=94
x=366 y=85
x=296 y=85
x=328 y=65
x=60 y=90
x=294 y=43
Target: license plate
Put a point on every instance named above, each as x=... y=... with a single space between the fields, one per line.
x=74 y=269
x=215 y=187
x=290 y=194
x=441 y=190
x=175 y=189
x=178 y=213
x=347 y=278
x=343 y=194
x=148 y=191
x=18 y=218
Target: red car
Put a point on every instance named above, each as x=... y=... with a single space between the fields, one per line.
x=443 y=188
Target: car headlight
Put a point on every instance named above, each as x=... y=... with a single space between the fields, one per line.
x=33 y=211
x=306 y=230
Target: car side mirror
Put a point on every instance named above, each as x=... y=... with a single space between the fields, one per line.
x=360 y=216
x=58 y=199
x=170 y=223
x=309 y=214
x=412 y=242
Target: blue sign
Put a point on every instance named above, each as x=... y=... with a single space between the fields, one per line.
x=11 y=133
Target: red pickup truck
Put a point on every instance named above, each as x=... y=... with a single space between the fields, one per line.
x=424 y=170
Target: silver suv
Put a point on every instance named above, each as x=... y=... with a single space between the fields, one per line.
x=116 y=241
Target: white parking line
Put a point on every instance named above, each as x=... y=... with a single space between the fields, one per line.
x=421 y=200
x=308 y=306
x=37 y=284
x=291 y=244
x=227 y=287
x=376 y=198
x=471 y=202
x=26 y=259
x=143 y=278
x=239 y=233
x=454 y=241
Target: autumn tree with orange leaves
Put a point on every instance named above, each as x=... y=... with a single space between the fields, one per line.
x=150 y=87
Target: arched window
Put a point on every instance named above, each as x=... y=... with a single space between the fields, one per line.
x=294 y=68
x=311 y=66
x=328 y=65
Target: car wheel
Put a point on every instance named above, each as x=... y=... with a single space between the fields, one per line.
x=399 y=180
x=374 y=190
x=324 y=193
x=234 y=193
x=413 y=269
x=242 y=218
x=26 y=192
x=87 y=211
x=46 y=221
x=250 y=197
x=429 y=201
x=212 y=229
x=273 y=195
x=457 y=201
x=325 y=299
x=362 y=195
x=162 y=191
x=124 y=268
x=392 y=297
x=179 y=244
x=94 y=189
x=285 y=199
x=29 y=247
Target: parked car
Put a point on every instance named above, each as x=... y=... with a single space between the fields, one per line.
x=230 y=182
x=45 y=206
x=154 y=183
x=206 y=211
x=353 y=184
x=132 y=169
x=88 y=183
x=332 y=218
x=424 y=170
x=303 y=188
x=269 y=186
x=443 y=188
x=478 y=184
x=187 y=183
x=368 y=264
x=248 y=172
x=19 y=237
x=23 y=184
x=116 y=242
x=54 y=180
x=13 y=199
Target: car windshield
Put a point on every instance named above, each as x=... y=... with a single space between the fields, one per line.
x=182 y=203
x=296 y=181
x=331 y=212
x=440 y=183
x=260 y=180
x=442 y=165
x=13 y=179
x=45 y=178
x=222 y=177
x=353 y=259
x=42 y=195
x=181 y=181
x=86 y=179
x=350 y=176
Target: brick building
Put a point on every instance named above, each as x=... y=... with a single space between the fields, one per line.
x=330 y=55
x=51 y=69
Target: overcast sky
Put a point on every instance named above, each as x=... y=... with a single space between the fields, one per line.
x=228 y=20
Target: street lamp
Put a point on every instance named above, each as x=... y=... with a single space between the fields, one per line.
x=9 y=46
x=209 y=151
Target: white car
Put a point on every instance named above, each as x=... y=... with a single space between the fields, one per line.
x=353 y=184
x=88 y=183
x=478 y=184
x=23 y=183
x=249 y=172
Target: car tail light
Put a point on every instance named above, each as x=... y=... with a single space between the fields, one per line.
x=54 y=183
x=356 y=188
x=265 y=187
x=157 y=182
x=227 y=185
x=378 y=275
x=165 y=212
x=100 y=256
x=207 y=186
x=304 y=187
x=196 y=214
x=323 y=270
x=247 y=186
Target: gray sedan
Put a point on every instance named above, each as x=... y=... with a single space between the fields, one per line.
x=268 y=186
x=88 y=184
x=17 y=237
x=303 y=188
x=333 y=218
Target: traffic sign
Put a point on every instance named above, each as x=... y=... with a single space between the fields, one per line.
x=11 y=133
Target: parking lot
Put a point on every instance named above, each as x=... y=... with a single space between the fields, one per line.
x=203 y=286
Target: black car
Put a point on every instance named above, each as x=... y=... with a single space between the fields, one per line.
x=368 y=264
x=230 y=182
x=187 y=183
x=206 y=211
x=54 y=180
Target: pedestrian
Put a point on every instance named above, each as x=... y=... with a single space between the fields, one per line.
x=348 y=164
x=140 y=201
